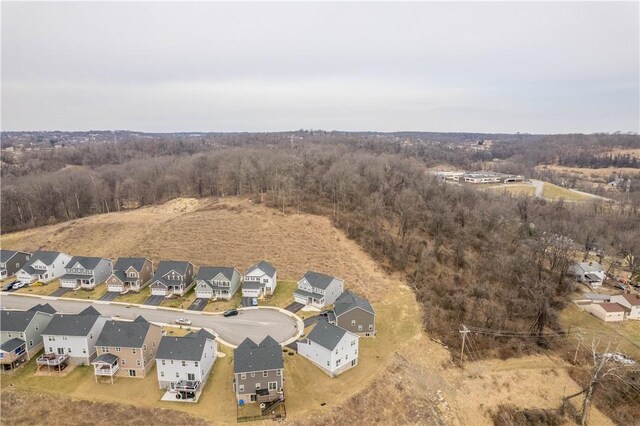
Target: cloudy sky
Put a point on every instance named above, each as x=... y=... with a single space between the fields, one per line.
x=476 y=67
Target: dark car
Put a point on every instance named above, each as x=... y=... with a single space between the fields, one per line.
x=7 y=287
x=230 y=313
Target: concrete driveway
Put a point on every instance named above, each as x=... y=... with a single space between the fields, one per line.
x=60 y=292
x=110 y=295
x=256 y=323
x=154 y=300
x=198 y=304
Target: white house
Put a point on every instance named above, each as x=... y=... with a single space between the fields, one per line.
x=591 y=273
x=608 y=312
x=318 y=289
x=259 y=280
x=74 y=335
x=172 y=278
x=184 y=363
x=43 y=266
x=214 y=282
x=86 y=272
x=631 y=302
x=331 y=348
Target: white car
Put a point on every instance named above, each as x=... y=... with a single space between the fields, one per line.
x=183 y=321
x=18 y=285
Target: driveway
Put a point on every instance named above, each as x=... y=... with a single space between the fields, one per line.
x=198 y=304
x=246 y=302
x=294 y=307
x=110 y=295
x=154 y=300
x=311 y=320
x=255 y=324
x=60 y=292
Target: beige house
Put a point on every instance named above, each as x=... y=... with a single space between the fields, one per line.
x=130 y=274
x=608 y=312
x=631 y=302
x=126 y=349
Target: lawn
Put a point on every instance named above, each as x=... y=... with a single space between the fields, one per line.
x=283 y=295
x=516 y=190
x=223 y=305
x=177 y=331
x=179 y=302
x=93 y=294
x=40 y=289
x=133 y=297
x=555 y=192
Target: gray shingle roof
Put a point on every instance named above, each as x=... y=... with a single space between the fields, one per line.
x=348 y=300
x=86 y=262
x=250 y=285
x=46 y=257
x=108 y=358
x=265 y=267
x=318 y=280
x=12 y=344
x=124 y=334
x=252 y=357
x=47 y=308
x=73 y=325
x=124 y=263
x=166 y=266
x=210 y=272
x=185 y=348
x=589 y=266
x=6 y=255
x=19 y=320
x=326 y=335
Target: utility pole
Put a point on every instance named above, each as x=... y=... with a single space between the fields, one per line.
x=464 y=333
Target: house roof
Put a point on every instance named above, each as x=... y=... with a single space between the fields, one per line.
x=19 y=320
x=252 y=357
x=166 y=266
x=73 y=325
x=633 y=299
x=124 y=263
x=75 y=276
x=12 y=344
x=186 y=348
x=6 y=255
x=108 y=358
x=210 y=272
x=596 y=296
x=348 y=301
x=590 y=267
x=264 y=266
x=86 y=262
x=250 y=285
x=124 y=334
x=613 y=307
x=45 y=307
x=318 y=280
x=46 y=257
x=326 y=335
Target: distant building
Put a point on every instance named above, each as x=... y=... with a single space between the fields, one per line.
x=608 y=312
x=331 y=348
x=591 y=273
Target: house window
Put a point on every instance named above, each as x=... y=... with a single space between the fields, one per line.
x=353 y=343
x=84 y=350
x=338 y=362
x=253 y=374
x=118 y=349
x=138 y=363
x=105 y=349
x=273 y=386
x=10 y=335
x=133 y=351
x=171 y=362
x=145 y=347
x=124 y=362
x=353 y=323
x=195 y=363
x=243 y=376
x=370 y=327
x=163 y=362
x=154 y=343
x=360 y=327
x=91 y=336
x=241 y=388
x=31 y=343
x=258 y=386
x=177 y=375
x=37 y=327
x=184 y=363
x=328 y=365
x=162 y=374
x=191 y=376
x=279 y=373
x=265 y=374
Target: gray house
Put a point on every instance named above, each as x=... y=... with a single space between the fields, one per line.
x=130 y=274
x=21 y=334
x=354 y=314
x=214 y=282
x=318 y=289
x=172 y=278
x=591 y=273
x=11 y=261
x=85 y=272
x=258 y=371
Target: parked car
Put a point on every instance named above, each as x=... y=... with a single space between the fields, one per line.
x=230 y=313
x=254 y=301
x=19 y=285
x=621 y=286
x=7 y=287
x=183 y=321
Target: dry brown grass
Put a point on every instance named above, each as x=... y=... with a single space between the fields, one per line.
x=587 y=172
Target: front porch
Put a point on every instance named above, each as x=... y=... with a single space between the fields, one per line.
x=106 y=365
x=308 y=298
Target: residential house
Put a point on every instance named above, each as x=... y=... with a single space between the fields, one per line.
x=631 y=302
x=74 y=335
x=591 y=273
x=607 y=311
x=330 y=347
x=354 y=314
x=258 y=371
x=172 y=278
x=259 y=280
x=44 y=266
x=86 y=272
x=11 y=261
x=214 y=282
x=21 y=334
x=130 y=274
x=126 y=349
x=184 y=363
x=318 y=289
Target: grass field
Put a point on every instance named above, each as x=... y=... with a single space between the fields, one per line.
x=555 y=192
x=182 y=302
x=133 y=297
x=515 y=189
x=283 y=295
x=40 y=289
x=223 y=305
x=93 y=294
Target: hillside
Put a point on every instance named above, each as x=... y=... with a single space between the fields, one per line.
x=406 y=375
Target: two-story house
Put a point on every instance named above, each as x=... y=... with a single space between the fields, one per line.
x=330 y=347
x=85 y=272
x=73 y=335
x=11 y=261
x=21 y=334
x=44 y=266
x=130 y=274
x=184 y=363
x=591 y=273
x=318 y=289
x=172 y=278
x=126 y=348
x=214 y=282
x=354 y=314
x=631 y=302
x=259 y=280
x=258 y=371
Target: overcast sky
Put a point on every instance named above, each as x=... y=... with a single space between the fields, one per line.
x=474 y=67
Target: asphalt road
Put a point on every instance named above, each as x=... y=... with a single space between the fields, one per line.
x=253 y=323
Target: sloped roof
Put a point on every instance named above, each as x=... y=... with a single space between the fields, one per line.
x=186 y=348
x=252 y=357
x=19 y=320
x=613 y=307
x=108 y=358
x=318 y=280
x=124 y=334
x=166 y=266
x=589 y=267
x=12 y=344
x=633 y=299
x=326 y=335
x=89 y=310
x=124 y=263
x=86 y=262
x=210 y=272
x=6 y=255
x=73 y=324
x=264 y=266
x=45 y=307
x=46 y=257
x=348 y=301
